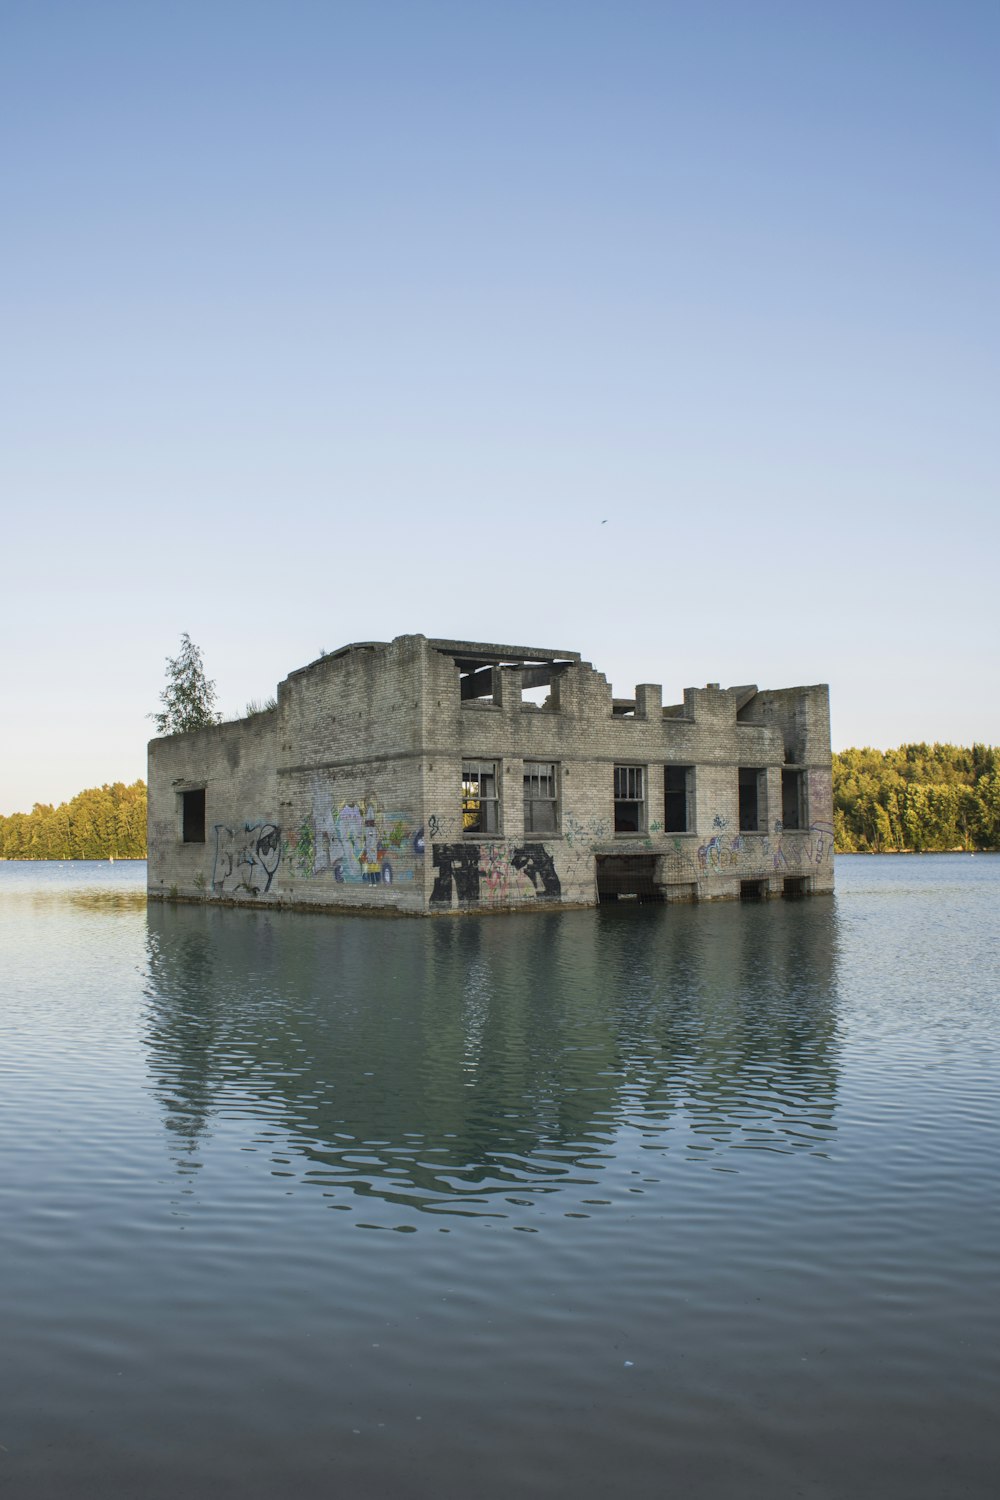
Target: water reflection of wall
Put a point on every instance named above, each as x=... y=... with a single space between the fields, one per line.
x=729 y=1020
x=445 y=1064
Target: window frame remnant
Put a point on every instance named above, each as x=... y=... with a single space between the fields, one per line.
x=193 y=815
x=677 y=798
x=480 y=813
x=541 y=796
x=630 y=792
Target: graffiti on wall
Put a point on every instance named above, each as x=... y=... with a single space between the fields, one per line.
x=784 y=849
x=585 y=835
x=793 y=850
x=535 y=861
x=357 y=842
x=492 y=874
x=246 y=858
x=719 y=853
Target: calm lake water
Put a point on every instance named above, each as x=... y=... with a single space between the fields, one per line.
x=699 y=1201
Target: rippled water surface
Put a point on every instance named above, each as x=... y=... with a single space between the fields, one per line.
x=641 y=1201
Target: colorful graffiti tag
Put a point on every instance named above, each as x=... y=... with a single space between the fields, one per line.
x=719 y=853
x=357 y=842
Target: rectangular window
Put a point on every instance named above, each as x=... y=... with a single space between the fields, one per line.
x=193 y=816
x=791 y=799
x=540 y=814
x=676 y=793
x=751 y=800
x=480 y=803
x=630 y=800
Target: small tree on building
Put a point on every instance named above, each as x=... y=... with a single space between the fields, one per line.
x=189 y=697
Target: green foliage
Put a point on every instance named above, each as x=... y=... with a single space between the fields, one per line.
x=918 y=797
x=254 y=707
x=104 y=822
x=189 y=697
x=305 y=848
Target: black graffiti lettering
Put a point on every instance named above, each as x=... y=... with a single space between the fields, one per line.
x=458 y=867
x=538 y=864
x=458 y=864
x=241 y=852
x=269 y=850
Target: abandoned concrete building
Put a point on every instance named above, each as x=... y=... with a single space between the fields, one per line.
x=425 y=776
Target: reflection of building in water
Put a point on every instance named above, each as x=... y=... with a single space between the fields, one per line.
x=738 y=1011
x=436 y=776
x=444 y=1066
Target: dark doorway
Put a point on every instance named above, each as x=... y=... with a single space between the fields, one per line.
x=627 y=877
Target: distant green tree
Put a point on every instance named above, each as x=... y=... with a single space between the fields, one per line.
x=987 y=813
x=189 y=697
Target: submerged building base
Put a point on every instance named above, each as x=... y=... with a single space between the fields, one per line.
x=426 y=776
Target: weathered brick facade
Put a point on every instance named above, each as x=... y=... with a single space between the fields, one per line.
x=419 y=776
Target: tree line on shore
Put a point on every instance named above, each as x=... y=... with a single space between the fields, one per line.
x=104 y=822
x=922 y=798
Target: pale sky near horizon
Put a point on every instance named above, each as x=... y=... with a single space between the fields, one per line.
x=664 y=332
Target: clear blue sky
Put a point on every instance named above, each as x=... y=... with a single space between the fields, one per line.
x=331 y=321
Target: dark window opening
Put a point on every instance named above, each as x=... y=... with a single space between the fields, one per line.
x=193 y=816
x=480 y=804
x=752 y=890
x=540 y=797
x=676 y=786
x=795 y=886
x=791 y=799
x=630 y=800
x=479 y=683
x=750 y=800
x=482 y=680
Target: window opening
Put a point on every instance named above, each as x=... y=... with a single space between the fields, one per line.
x=479 y=683
x=540 y=814
x=480 y=804
x=791 y=799
x=193 y=816
x=750 y=800
x=676 y=787
x=629 y=799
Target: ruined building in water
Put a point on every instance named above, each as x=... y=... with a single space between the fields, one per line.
x=429 y=776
